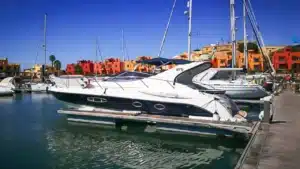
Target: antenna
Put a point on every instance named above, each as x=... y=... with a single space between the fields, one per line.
x=190 y=2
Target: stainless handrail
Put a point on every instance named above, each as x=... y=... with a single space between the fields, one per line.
x=97 y=82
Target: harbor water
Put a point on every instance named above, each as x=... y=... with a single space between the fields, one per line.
x=33 y=135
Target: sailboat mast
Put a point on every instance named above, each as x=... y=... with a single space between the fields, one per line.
x=190 y=29
x=245 y=36
x=233 y=31
x=123 y=52
x=96 y=53
x=45 y=45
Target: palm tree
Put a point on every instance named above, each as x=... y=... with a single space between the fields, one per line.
x=57 y=64
x=52 y=59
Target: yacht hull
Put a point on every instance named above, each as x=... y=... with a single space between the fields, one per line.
x=239 y=91
x=131 y=104
x=6 y=93
x=242 y=92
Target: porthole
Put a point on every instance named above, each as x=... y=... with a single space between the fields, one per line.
x=137 y=104
x=159 y=106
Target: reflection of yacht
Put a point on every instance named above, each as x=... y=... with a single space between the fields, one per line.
x=220 y=79
x=7 y=87
x=108 y=149
x=167 y=93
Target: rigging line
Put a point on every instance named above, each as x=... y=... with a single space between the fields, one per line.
x=258 y=38
x=166 y=31
x=250 y=5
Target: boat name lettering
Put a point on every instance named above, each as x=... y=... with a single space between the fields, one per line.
x=97 y=99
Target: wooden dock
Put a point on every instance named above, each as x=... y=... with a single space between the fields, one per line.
x=276 y=145
x=164 y=123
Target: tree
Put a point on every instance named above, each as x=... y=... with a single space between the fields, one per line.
x=57 y=64
x=78 y=69
x=250 y=46
x=52 y=59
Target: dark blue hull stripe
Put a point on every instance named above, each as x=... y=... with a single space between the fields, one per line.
x=151 y=107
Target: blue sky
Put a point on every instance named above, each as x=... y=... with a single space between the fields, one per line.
x=74 y=25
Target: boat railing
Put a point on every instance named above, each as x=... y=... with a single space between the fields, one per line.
x=95 y=78
x=167 y=81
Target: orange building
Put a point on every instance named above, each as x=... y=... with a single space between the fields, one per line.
x=70 y=69
x=99 y=68
x=87 y=66
x=113 y=66
x=221 y=59
x=129 y=65
x=255 y=62
x=287 y=58
x=195 y=56
x=142 y=67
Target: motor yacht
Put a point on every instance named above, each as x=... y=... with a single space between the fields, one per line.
x=7 y=87
x=168 y=93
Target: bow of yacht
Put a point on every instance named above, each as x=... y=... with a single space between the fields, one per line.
x=7 y=87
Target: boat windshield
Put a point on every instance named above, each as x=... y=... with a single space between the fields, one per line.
x=129 y=76
x=226 y=75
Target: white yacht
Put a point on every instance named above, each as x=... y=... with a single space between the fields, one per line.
x=37 y=86
x=168 y=93
x=69 y=81
x=220 y=79
x=7 y=87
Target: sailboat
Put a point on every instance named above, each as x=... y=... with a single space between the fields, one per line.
x=44 y=85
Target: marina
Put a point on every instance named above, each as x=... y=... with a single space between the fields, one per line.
x=230 y=104
x=31 y=129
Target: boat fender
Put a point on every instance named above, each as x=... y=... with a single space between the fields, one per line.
x=241 y=114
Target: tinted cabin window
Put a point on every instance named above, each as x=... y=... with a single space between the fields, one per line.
x=222 y=75
x=187 y=76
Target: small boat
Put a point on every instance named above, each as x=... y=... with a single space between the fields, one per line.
x=7 y=87
x=220 y=79
x=68 y=81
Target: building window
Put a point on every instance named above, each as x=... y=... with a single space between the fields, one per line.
x=295 y=58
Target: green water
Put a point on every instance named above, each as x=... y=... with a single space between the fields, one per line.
x=34 y=136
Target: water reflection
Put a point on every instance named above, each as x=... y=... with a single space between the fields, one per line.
x=102 y=148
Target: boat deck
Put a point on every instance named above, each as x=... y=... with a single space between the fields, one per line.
x=277 y=144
